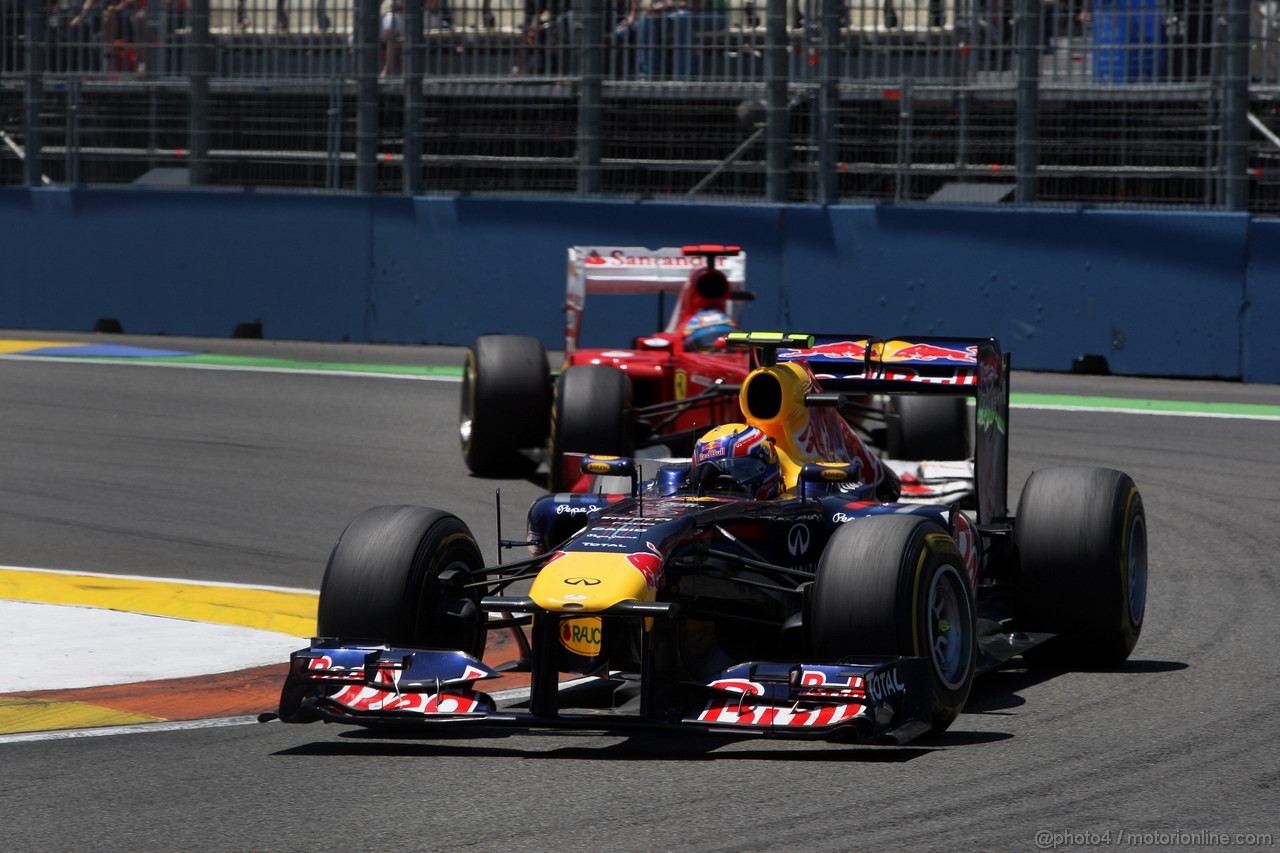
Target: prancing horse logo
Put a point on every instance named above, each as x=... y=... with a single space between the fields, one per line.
x=582 y=581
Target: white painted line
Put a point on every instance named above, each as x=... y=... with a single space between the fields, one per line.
x=1126 y=411
x=360 y=374
x=138 y=729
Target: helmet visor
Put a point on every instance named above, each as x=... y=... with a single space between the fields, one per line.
x=748 y=470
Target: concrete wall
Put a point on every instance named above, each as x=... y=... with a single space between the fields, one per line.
x=1158 y=293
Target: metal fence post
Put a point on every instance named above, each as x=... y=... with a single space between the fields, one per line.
x=367 y=96
x=333 y=136
x=411 y=168
x=828 y=103
x=37 y=19
x=156 y=35
x=1235 y=106
x=902 y=181
x=200 y=65
x=777 y=119
x=73 y=131
x=1027 y=145
x=589 y=41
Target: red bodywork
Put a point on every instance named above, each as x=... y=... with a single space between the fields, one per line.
x=662 y=371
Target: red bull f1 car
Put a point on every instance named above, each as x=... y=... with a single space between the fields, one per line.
x=662 y=389
x=835 y=608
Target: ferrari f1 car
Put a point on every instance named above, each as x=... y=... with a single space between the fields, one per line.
x=614 y=399
x=662 y=389
x=833 y=609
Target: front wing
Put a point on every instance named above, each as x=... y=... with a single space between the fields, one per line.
x=865 y=699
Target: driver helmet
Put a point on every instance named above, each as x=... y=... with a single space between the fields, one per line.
x=703 y=329
x=746 y=454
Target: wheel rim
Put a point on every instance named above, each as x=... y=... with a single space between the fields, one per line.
x=950 y=635
x=1137 y=569
x=428 y=631
x=468 y=405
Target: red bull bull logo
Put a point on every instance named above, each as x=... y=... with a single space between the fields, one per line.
x=832 y=351
x=928 y=352
x=649 y=565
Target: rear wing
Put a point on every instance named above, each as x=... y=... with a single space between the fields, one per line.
x=869 y=365
x=630 y=270
x=859 y=365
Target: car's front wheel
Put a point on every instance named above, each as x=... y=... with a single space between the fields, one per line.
x=397 y=575
x=897 y=586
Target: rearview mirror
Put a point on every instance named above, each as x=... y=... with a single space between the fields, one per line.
x=611 y=466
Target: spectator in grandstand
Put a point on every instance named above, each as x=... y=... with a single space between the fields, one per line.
x=438 y=10
x=391 y=36
x=674 y=23
x=175 y=13
x=541 y=37
x=623 y=14
x=282 y=16
x=117 y=35
x=77 y=24
x=937 y=14
x=435 y=15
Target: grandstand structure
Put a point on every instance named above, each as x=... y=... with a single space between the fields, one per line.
x=1153 y=103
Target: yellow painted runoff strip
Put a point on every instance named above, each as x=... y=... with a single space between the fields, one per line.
x=282 y=611
x=36 y=715
x=7 y=347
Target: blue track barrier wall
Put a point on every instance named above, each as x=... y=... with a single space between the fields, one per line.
x=1260 y=309
x=1157 y=293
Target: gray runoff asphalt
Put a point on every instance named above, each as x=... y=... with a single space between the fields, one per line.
x=249 y=477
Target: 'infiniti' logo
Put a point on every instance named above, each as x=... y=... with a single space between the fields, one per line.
x=798 y=540
x=582 y=581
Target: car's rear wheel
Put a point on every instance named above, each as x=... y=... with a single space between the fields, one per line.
x=922 y=427
x=506 y=404
x=591 y=414
x=396 y=575
x=897 y=585
x=1080 y=538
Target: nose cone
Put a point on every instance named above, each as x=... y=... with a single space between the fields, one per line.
x=577 y=582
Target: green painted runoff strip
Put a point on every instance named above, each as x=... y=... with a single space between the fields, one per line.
x=292 y=364
x=1059 y=400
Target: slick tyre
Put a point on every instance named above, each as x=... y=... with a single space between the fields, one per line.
x=934 y=428
x=591 y=414
x=1080 y=540
x=897 y=585
x=506 y=404
x=397 y=575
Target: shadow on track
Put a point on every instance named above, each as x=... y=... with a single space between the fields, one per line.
x=998 y=691
x=993 y=694
x=637 y=747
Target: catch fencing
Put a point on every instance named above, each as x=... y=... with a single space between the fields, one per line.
x=1153 y=103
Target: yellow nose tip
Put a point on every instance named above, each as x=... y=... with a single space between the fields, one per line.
x=588 y=583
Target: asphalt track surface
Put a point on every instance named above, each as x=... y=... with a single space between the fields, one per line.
x=248 y=477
